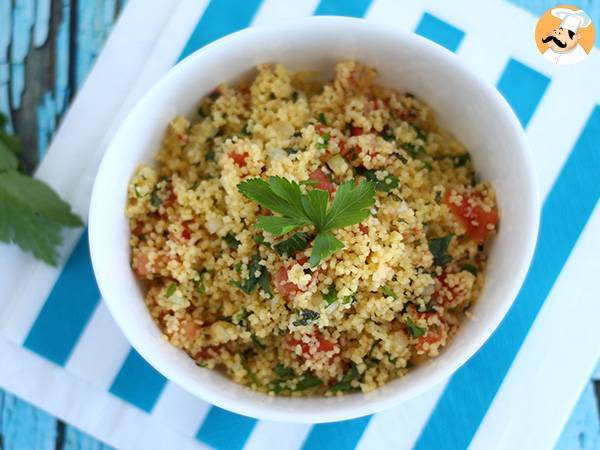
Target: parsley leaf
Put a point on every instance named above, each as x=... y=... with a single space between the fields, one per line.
x=268 y=195
x=263 y=279
x=414 y=330
x=315 y=205
x=345 y=384
x=307 y=316
x=387 y=184
x=469 y=268
x=324 y=246
x=351 y=205
x=331 y=295
x=388 y=292
x=32 y=215
x=294 y=244
x=278 y=226
x=283 y=372
x=231 y=241
x=438 y=248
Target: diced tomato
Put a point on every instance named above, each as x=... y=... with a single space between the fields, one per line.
x=182 y=137
x=190 y=329
x=323 y=345
x=320 y=128
x=470 y=211
x=322 y=181
x=239 y=158
x=363 y=229
x=356 y=131
x=210 y=351
x=139 y=228
x=435 y=333
x=139 y=263
x=283 y=286
x=171 y=197
x=186 y=233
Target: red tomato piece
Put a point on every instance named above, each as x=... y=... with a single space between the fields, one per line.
x=323 y=345
x=322 y=181
x=186 y=233
x=239 y=158
x=320 y=128
x=356 y=131
x=283 y=286
x=471 y=213
x=363 y=229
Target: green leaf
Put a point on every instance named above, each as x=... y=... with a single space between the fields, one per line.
x=200 y=287
x=289 y=191
x=294 y=244
x=251 y=375
x=387 y=184
x=345 y=384
x=414 y=330
x=461 y=160
x=262 y=193
x=388 y=292
x=210 y=155
x=438 y=248
x=331 y=295
x=263 y=279
x=283 y=372
x=325 y=245
x=469 y=268
x=307 y=382
x=413 y=150
x=256 y=342
x=322 y=118
x=171 y=289
x=307 y=316
x=32 y=215
x=8 y=160
x=315 y=205
x=231 y=241
x=278 y=226
x=351 y=205
x=325 y=143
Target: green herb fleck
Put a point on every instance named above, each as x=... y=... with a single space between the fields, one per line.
x=307 y=382
x=171 y=289
x=263 y=279
x=345 y=384
x=387 y=184
x=414 y=330
x=325 y=143
x=438 y=248
x=388 y=292
x=291 y=150
x=469 y=268
x=200 y=287
x=331 y=295
x=295 y=96
x=294 y=244
x=194 y=186
x=438 y=197
x=155 y=200
x=461 y=160
x=251 y=375
x=246 y=130
x=413 y=150
x=210 y=155
x=283 y=372
x=231 y=241
x=307 y=316
x=322 y=118
x=256 y=342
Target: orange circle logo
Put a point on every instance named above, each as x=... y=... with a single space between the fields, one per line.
x=564 y=34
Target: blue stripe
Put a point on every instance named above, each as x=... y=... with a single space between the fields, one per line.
x=220 y=18
x=225 y=430
x=440 y=32
x=138 y=382
x=350 y=8
x=566 y=211
x=68 y=309
x=523 y=88
x=339 y=435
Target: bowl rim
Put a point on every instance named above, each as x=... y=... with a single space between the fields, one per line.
x=429 y=379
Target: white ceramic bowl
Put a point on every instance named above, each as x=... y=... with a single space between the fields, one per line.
x=465 y=105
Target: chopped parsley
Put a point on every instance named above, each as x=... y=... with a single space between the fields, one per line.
x=461 y=160
x=256 y=342
x=246 y=130
x=210 y=155
x=331 y=295
x=438 y=248
x=325 y=143
x=345 y=384
x=292 y=245
x=322 y=118
x=171 y=289
x=414 y=330
x=283 y=372
x=200 y=287
x=155 y=200
x=251 y=375
x=469 y=268
x=231 y=241
x=413 y=150
x=295 y=96
x=388 y=292
x=263 y=280
x=387 y=184
x=307 y=316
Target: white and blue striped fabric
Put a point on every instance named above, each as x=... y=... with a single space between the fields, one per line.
x=60 y=349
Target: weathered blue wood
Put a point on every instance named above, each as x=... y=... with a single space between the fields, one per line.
x=23 y=20
x=5 y=33
x=582 y=431
x=24 y=426
x=42 y=22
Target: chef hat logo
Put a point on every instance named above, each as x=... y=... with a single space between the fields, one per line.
x=564 y=34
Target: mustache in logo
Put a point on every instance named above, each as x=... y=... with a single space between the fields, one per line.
x=556 y=41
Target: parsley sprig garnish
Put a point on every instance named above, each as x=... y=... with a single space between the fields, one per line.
x=32 y=215
x=351 y=205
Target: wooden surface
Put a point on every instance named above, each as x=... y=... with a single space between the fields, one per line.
x=46 y=49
